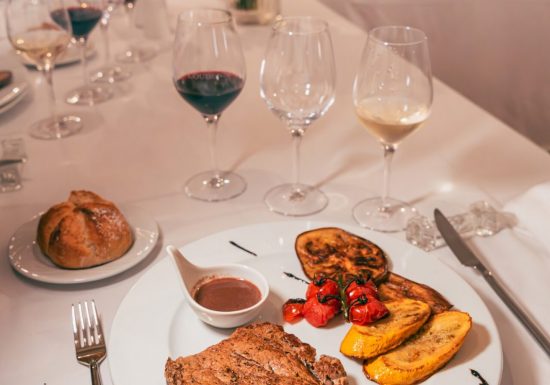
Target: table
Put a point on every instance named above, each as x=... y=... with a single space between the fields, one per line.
x=140 y=148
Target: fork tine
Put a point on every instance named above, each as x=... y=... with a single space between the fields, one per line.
x=97 y=324
x=76 y=335
x=83 y=337
x=89 y=326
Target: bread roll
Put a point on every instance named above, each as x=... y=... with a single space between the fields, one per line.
x=84 y=231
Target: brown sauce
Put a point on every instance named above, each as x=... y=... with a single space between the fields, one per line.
x=227 y=294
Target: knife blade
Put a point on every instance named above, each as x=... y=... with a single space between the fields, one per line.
x=467 y=257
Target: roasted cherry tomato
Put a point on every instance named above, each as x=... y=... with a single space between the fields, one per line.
x=322 y=286
x=319 y=310
x=292 y=310
x=365 y=311
x=360 y=287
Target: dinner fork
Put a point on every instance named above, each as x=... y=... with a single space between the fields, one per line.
x=89 y=341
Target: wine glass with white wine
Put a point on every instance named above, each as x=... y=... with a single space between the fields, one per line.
x=392 y=95
x=40 y=31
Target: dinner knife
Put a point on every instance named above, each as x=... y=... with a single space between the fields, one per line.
x=467 y=257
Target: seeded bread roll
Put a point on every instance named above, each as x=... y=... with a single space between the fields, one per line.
x=84 y=231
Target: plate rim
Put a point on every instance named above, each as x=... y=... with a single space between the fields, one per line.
x=305 y=224
x=24 y=85
x=78 y=276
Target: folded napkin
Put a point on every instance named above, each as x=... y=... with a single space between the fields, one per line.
x=532 y=211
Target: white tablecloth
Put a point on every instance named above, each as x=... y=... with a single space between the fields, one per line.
x=140 y=148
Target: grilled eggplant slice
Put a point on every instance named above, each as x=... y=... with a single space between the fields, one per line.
x=424 y=353
x=396 y=287
x=332 y=251
x=405 y=318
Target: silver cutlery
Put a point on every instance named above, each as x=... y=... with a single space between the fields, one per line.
x=467 y=257
x=89 y=340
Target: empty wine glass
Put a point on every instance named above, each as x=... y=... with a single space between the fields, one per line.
x=84 y=16
x=109 y=72
x=297 y=81
x=392 y=94
x=137 y=51
x=209 y=73
x=40 y=31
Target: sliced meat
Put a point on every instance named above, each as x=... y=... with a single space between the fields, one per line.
x=256 y=354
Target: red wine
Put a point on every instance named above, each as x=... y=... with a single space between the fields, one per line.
x=209 y=92
x=83 y=20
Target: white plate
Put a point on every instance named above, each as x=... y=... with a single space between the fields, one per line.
x=13 y=93
x=26 y=258
x=70 y=56
x=154 y=310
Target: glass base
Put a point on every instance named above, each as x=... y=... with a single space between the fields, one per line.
x=295 y=200
x=213 y=186
x=111 y=74
x=388 y=216
x=136 y=55
x=89 y=95
x=65 y=125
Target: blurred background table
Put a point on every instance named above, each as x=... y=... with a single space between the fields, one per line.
x=140 y=148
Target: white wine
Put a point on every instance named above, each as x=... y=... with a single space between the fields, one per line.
x=391 y=119
x=41 y=45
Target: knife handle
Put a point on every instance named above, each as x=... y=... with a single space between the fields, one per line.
x=535 y=331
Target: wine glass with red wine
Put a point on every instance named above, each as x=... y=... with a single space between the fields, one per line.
x=84 y=15
x=40 y=38
x=209 y=73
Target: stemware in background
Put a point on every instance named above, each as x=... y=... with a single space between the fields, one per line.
x=392 y=94
x=297 y=81
x=137 y=51
x=40 y=31
x=84 y=16
x=209 y=73
x=109 y=72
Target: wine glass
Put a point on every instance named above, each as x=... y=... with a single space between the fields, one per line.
x=40 y=31
x=84 y=16
x=297 y=81
x=137 y=52
x=392 y=94
x=109 y=72
x=209 y=73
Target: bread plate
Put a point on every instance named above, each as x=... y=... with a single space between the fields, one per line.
x=13 y=93
x=70 y=56
x=169 y=328
x=27 y=259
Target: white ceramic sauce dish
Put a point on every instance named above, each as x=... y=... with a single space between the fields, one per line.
x=191 y=275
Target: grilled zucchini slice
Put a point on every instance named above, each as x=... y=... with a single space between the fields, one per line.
x=405 y=318
x=424 y=353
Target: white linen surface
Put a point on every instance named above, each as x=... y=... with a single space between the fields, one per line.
x=532 y=210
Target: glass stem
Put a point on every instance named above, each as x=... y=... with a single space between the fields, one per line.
x=132 y=24
x=47 y=71
x=82 y=45
x=105 y=29
x=297 y=134
x=389 y=150
x=212 y=124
